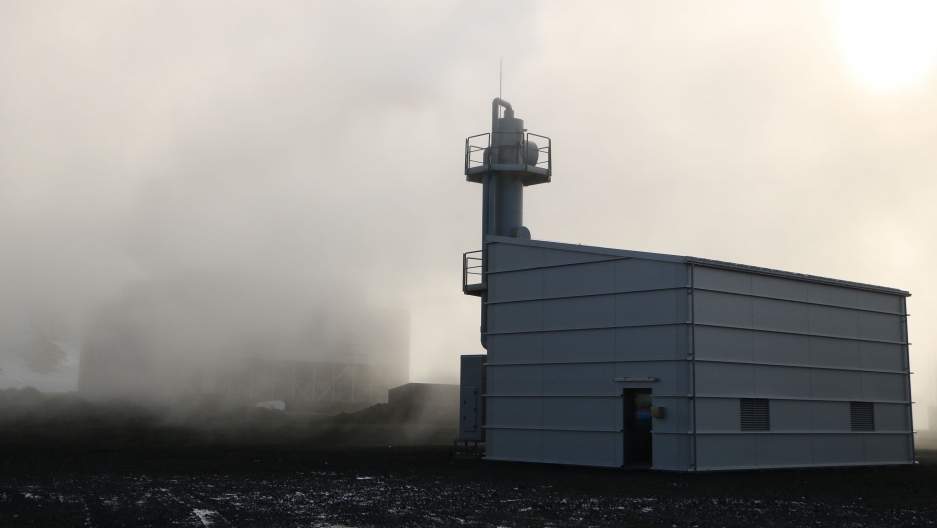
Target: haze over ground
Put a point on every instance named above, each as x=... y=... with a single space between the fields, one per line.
x=322 y=142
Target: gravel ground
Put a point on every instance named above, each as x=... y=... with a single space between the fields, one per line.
x=426 y=486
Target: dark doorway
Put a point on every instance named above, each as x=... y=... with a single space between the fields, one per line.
x=637 y=407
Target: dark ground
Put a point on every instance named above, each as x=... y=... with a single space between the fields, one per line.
x=276 y=470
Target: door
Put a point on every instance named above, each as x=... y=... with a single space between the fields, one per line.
x=637 y=430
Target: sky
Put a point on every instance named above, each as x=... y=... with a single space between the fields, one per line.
x=322 y=142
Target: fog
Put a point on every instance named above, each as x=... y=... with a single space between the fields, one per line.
x=321 y=143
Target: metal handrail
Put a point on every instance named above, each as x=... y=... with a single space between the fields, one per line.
x=471 y=149
x=520 y=151
x=468 y=258
x=547 y=149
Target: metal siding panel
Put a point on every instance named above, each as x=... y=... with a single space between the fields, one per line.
x=670 y=452
x=515 y=348
x=837 y=449
x=879 y=301
x=503 y=257
x=790 y=415
x=722 y=280
x=785 y=316
x=779 y=288
x=725 y=380
x=781 y=382
x=582 y=448
x=676 y=414
x=827 y=294
x=648 y=307
x=881 y=356
x=516 y=317
x=835 y=384
x=579 y=345
x=892 y=417
x=827 y=352
x=829 y=416
x=582 y=378
x=638 y=274
x=581 y=279
x=723 y=343
x=525 y=380
x=513 y=444
x=665 y=371
x=726 y=451
x=781 y=348
x=517 y=412
x=880 y=386
x=723 y=308
x=784 y=450
x=646 y=342
x=880 y=326
x=718 y=415
x=515 y=285
x=833 y=321
x=579 y=312
x=558 y=257
x=885 y=449
x=582 y=413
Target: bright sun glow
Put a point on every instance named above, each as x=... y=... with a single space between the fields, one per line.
x=888 y=44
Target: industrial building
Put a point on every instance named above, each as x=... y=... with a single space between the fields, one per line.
x=610 y=357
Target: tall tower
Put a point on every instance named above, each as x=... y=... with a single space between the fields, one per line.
x=504 y=161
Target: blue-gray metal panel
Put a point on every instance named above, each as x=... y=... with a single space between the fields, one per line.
x=526 y=380
x=664 y=306
x=717 y=414
x=722 y=280
x=880 y=326
x=582 y=413
x=579 y=312
x=579 y=279
x=879 y=301
x=881 y=356
x=837 y=449
x=515 y=285
x=835 y=384
x=879 y=386
x=790 y=415
x=517 y=412
x=726 y=451
x=557 y=257
x=887 y=449
x=783 y=450
x=725 y=379
x=826 y=294
x=506 y=257
x=782 y=382
x=771 y=347
x=582 y=448
x=670 y=452
x=829 y=416
x=676 y=414
x=723 y=343
x=671 y=376
x=783 y=316
x=579 y=345
x=828 y=320
x=646 y=342
x=516 y=348
x=723 y=308
x=514 y=444
x=582 y=378
x=780 y=288
x=891 y=417
x=585 y=249
x=639 y=274
x=516 y=317
x=829 y=352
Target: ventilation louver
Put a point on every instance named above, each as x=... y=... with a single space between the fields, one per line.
x=861 y=416
x=754 y=414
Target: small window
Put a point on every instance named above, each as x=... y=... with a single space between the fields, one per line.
x=862 y=416
x=754 y=415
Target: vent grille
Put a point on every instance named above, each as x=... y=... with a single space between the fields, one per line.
x=754 y=414
x=861 y=416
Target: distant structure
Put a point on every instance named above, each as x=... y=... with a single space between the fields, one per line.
x=609 y=357
x=166 y=340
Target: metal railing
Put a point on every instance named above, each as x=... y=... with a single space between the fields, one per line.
x=478 y=151
x=475 y=151
x=472 y=265
x=545 y=151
